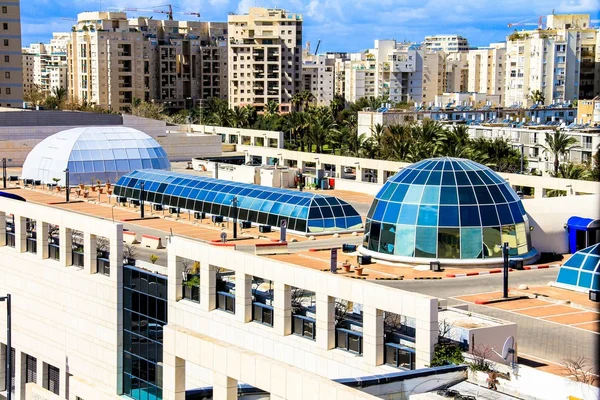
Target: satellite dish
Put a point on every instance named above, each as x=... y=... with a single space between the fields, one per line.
x=509 y=347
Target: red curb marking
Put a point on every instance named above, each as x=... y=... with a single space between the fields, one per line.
x=128 y=233
x=270 y=244
x=151 y=237
x=223 y=244
x=482 y=301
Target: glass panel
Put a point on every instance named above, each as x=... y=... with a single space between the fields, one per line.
x=469 y=216
x=461 y=178
x=471 y=243
x=426 y=240
x=466 y=195
x=448 y=216
x=449 y=243
x=568 y=276
x=489 y=216
x=386 y=241
x=448 y=178
x=448 y=195
x=408 y=214
x=414 y=194
x=509 y=235
x=483 y=195
x=390 y=355
x=435 y=178
x=428 y=216
x=431 y=195
x=354 y=343
x=492 y=242
x=405 y=240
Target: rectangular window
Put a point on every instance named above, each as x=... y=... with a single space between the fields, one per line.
x=7 y=90
x=5 y=26
x=4 y=10
x=31 y=364
x=5 y=42
x=6 y=59
x=53 y=379
x=7 y=75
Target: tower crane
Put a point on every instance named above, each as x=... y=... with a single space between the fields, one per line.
x=539 y=24
x=169 y=12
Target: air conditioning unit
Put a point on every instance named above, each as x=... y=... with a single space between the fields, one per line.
x=264 y=228
x=348 y=248
x=245 y=224
x=172 y=210
x=217 y=219
x=157 y=207
x=595 y=296
x=364 y=260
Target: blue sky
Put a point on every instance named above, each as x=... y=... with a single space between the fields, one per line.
x=342 y=25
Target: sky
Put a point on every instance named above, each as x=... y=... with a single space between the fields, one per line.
x=341 y=25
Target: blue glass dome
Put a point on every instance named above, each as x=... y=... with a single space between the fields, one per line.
x=446 y=208
x=102 y=153
x=582 y=271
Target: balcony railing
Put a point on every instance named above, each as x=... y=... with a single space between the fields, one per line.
x=10 y=239
x=399 y=356
x=226 y=302
x=54 y=251
x=349 y=340
x=31 y=245
x=191 y=288
x=77 y=257
x=262 y=313
x=304 y=326
x=103 y=265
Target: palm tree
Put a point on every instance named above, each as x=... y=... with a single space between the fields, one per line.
x=537 y=96
x=559 y=143
x=296 y=124
x=573 y=171
x=321 y=126
x=396 y=142
x=377 y=133
x=271 y=108
x=239 y=117
x=357 y=144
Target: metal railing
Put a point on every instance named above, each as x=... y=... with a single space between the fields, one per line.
x=77 y=258
x=226 y=302
x=349 y=340
x=304 y=326
x=262 y=313
x=104 y=266
x=53 y=251
x=31 y=246
x=399 y=356
x=10 y=239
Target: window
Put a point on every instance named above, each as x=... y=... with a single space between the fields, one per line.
x=6 y=59
x=5 y=42
x=4 y=10
x=31 y=365
x=53 y=379
x=5 y=26
x=7 y=90
x=7 y=75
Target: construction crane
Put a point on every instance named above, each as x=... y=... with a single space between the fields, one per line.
x=539 y=24
x=169 y=12
x=68 y=19
x=317 y=49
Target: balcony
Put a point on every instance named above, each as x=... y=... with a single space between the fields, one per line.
x=191 y=287
x=304 y=326
x=10 y=238
x=349 y=340
x=103 y=264
x=31 y=245
x=54 y=250
x=226 y=302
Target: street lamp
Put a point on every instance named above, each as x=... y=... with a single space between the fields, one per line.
x=4 y=173
x=67 y=187
x=142 y=200
x=8 y=348
x=234 y=202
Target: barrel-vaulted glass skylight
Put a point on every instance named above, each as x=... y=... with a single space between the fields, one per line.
x=446 y=208
x=582 y=270
x=305 y=212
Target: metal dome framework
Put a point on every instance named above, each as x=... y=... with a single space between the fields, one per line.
x=446 y=208
x=93 y=153
x=581 y=272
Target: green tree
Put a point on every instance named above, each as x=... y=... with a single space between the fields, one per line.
x=558 y=143
x=377 y=135
x=148 y=110
x=445 y=353
x=537 y=96
x=573 y=171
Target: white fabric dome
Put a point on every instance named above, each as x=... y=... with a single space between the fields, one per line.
x=102 y=153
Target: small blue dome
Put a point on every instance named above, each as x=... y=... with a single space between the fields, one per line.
x=102 y=153
x=447 y=208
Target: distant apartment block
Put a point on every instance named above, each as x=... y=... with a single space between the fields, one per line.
x=264 y=57
x=11 y=64
x=446 y=43
x=457 y=73
x=403 y=71
x=487 y=70
x=45 y=65
x=560 y=61
x=113 y=60
x=318 y=76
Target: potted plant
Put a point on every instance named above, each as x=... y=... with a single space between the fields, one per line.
x=81 y=186
x=107 y=184
x=86 y=192
x=359 y=270
x=346 y=265
x=56 y=180
x=153 y=258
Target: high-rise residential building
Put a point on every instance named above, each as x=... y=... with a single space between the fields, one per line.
x=487 y=70
x=446 y=43
x=318 y=76
x=113 y=61
x=561 y=61
x=49 y=64
x=11 y=64
x=403 y=71
x=457 y=72
x=264 y=57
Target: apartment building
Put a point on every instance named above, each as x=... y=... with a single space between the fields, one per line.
x=49 y=64
x=403 y=71
x=113 y=60
x=318 y=76
x=457 y=73
x=560 y=61
x=446 y=43
x=487 y=70
x=264 y=57
x=11 y=64
x=588 y=111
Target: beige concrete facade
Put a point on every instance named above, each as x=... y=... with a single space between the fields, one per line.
x=588 y=111
x=487 y=70
x=11 y=64
x=194 y=328
x=113 y=60
x=318 y=77
x=46 y=64
x=264 y=57
x=562 y=61
x=67 y=318
x=446 y=43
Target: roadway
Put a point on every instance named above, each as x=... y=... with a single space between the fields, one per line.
x=542 y=339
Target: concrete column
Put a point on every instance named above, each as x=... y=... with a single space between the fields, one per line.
x=90 y=253
x=339 y=170
x=264 y=160
x=538 y=192
x=426 y=332
x=116 y=254
x=224 y=387
x=380 y=176
x=2 y=230
x=39 y=369
x=208 y=287
x=243 y=297
x=372 y=335
x=65 y=237
x=62 y=382
x=282 y=309
x=175 y=281
x=173 y=376
x=44 y=374
x=325 y=334
x=41 y=228
x=20 y=375
x=20 y=234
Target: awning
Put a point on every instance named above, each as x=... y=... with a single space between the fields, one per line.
x=583 y=223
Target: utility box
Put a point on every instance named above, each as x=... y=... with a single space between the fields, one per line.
x=217 y=219
x=435 y=266
x=516 y=264
x=264 y=228
x=595 y=296
x=157 y=207
x=364 y=260
x=245 y=224
x=199 y=215
x=348 y=248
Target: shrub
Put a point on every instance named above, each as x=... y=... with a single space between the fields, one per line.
x=446 y=353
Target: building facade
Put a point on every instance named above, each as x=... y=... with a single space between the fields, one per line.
x=45 y=65
x=11 y=64
x=264 y=57
x=113 y=61
x=487 y=70
x=318 y=76
x=446 y=43
x=561 y=61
